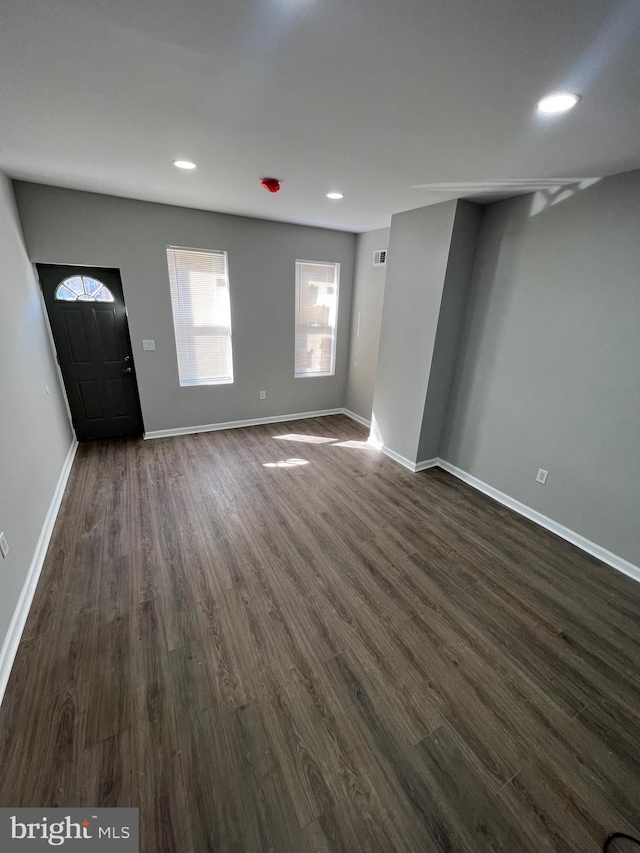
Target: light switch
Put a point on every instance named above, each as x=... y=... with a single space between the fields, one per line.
x=148 y=345
x=4 y=545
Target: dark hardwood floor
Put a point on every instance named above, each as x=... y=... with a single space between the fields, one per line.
x=334 y=656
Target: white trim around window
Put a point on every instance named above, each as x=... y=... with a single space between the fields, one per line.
x=200 y=301
x=317 y=290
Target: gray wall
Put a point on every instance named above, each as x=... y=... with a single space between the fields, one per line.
x=366 y=315
x=548 y=374
x=71 y=227
x=462 y=252
x=35 y=434
x=418 y=253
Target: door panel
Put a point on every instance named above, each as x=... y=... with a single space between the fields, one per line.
x=119 y=397
x=90 y=399
x=106 y=320
x=91 y=335
x=77 y=339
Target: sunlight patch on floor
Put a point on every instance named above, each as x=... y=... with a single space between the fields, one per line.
x=286 y=463
x=363 y=445
x=308 y=439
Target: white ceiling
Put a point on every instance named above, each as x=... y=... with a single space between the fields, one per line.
x=370 y=97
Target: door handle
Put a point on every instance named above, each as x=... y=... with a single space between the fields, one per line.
x=127 y=370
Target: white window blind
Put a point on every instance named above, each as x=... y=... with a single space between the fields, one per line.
x=201 y=315
x=316 y=318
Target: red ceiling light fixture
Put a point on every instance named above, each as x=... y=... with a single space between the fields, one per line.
x=271 y=185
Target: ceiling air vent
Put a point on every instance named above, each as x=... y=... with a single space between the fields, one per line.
x=380 y=258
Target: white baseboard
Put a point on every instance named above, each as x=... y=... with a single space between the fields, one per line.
x=427 y=463
x=395 y=456
x=18 y=621
x=276 y=419
x=560 y=530
x=357 y=418
x=414 y=467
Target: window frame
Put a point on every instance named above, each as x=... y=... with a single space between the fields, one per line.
x=334 y=349
x=190 y=383
x=85 y=296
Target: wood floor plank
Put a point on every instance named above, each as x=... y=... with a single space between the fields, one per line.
x=103 y=774
x=560 y=808
x=157 y=770
x=339 y=655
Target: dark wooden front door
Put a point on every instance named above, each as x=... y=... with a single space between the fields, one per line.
x=89 y=325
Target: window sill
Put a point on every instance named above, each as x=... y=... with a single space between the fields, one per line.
x=213 y=382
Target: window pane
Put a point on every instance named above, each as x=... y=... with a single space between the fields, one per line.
x=91 y=286
x=317 y=288
x=75 y=284
x=201 y=315
x=104 y=295
x=64 y=294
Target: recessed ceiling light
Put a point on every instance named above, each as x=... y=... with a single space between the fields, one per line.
x=184 y=164
x=335 y=196
x=559 y=102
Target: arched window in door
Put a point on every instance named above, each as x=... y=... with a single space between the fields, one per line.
x=83 y=288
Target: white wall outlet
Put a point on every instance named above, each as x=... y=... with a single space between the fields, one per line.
x=149 y=345
x=4 y=545
x=46 y=388
x=542 y=476
x=263 y=395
